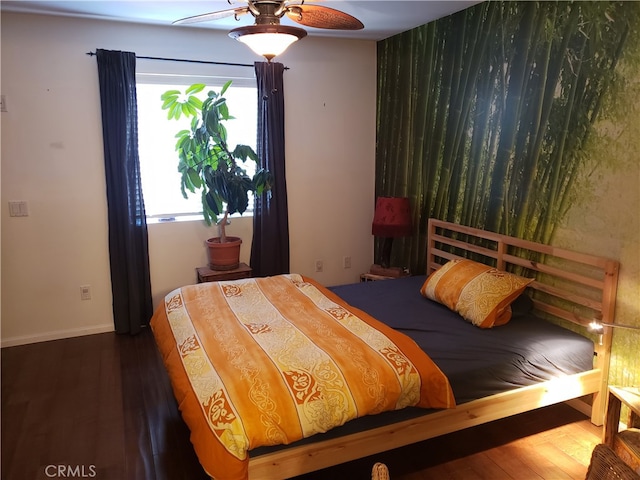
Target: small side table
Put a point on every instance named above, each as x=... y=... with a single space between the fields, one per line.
x=205 y=274
x=626 y=443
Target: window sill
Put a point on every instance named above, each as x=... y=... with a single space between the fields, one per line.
x=189 y=218
x=181 y=218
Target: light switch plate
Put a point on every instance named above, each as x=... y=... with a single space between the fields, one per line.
x=18 y=209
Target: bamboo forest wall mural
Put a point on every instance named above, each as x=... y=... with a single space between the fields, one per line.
x=523 y=118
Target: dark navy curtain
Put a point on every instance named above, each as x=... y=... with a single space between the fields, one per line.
x=270 y=245
x=128 y=245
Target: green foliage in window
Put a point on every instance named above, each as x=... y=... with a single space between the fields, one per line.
x=208 y=165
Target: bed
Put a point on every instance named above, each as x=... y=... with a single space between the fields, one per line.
x=491 y=373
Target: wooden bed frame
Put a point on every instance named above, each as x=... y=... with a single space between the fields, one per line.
x=570 y=286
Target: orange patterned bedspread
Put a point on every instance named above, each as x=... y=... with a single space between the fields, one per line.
x=268 y=361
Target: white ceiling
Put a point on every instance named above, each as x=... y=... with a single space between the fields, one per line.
x=381 y=19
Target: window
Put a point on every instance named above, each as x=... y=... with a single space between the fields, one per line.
x=156 y=139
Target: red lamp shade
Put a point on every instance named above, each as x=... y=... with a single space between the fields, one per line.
x=392 y=217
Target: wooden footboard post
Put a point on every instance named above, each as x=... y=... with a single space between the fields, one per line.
x=599 y=404
x=603 y=350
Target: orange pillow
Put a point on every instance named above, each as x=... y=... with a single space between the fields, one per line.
x=479 y=293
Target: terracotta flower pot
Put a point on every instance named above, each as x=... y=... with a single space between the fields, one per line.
x=224 y=256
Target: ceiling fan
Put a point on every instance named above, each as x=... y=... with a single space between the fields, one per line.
x=266 y=36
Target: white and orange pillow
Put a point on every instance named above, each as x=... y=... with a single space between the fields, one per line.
x=479 y=293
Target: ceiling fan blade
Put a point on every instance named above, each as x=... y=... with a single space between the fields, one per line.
x=319 y=16
x=206 y=17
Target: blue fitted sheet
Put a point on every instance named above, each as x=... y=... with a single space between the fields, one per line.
x=478 y=362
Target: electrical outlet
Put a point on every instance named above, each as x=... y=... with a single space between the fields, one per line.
x=346 y=262
x=85 y=292
x=319 y=265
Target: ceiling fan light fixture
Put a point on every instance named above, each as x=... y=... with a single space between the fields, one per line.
x=268 y=40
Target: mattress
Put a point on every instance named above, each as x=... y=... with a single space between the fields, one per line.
x=478 y=362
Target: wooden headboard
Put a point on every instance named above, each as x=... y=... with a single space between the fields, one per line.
x=570 y=286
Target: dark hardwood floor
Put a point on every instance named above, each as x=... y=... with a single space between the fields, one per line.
x=101 y=407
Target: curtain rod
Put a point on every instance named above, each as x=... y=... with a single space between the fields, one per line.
x=188 y=61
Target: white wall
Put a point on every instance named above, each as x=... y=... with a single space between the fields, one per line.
x=52 y=158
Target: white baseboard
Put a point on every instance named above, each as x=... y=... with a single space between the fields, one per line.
x=57 y=335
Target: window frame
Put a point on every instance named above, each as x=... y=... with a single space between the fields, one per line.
x=216 y=81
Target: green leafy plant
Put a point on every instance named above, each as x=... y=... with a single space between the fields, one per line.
x=207 y=164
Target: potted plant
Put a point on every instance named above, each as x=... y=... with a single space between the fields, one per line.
x=210 y=167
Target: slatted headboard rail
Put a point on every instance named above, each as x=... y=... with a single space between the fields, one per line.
x=585 y=284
